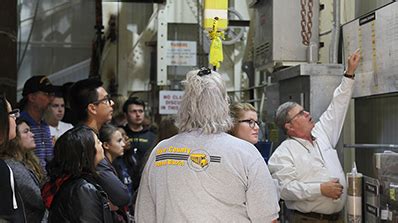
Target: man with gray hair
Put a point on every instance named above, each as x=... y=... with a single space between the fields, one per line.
x=204 y=174
x=312 y=181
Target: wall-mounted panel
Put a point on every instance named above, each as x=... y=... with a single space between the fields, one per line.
x=376 y=34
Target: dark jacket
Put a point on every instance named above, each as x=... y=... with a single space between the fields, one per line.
x=79 y=200
x=107 y=177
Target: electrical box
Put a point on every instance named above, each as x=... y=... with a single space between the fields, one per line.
x=278 y=37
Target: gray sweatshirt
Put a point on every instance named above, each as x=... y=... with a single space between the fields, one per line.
x=193 y=177
x=29 y=188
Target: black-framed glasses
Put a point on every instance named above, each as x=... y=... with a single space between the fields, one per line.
x=107 y=99
x=300 y=113
x=14 y=113
x=252 y=123
x=204 y=71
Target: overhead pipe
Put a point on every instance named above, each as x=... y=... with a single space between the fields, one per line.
x=334 y=43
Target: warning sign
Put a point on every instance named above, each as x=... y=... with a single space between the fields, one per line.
x=181 y=53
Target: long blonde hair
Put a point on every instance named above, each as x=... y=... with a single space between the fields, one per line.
x=32 y=162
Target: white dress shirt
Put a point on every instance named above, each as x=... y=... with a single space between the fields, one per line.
x=301 y=167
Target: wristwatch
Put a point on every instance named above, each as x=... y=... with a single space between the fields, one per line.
x=352 y=76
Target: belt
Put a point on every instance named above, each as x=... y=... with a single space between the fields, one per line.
x=329 y=217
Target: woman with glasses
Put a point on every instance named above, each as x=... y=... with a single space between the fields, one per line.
x=11 y=207
x=19 y=157
x=246 y=126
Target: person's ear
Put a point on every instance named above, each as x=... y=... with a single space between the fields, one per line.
x=105 y=145
x=288 y=126
x=31 y=97
x=92 y=109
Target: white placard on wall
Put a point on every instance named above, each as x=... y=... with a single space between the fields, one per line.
x=181 y=53
x=169 y=102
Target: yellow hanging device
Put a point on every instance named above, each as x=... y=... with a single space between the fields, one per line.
x=212 y=9
x=216 y=55
x=215 y=22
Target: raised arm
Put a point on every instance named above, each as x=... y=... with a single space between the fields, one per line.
x=331 y=121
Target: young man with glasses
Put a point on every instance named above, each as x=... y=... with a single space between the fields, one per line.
x=312 y=181
x=90 y=103
x=92 y=106
x=37 y=94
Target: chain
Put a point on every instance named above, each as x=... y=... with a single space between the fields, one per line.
x=306 y=21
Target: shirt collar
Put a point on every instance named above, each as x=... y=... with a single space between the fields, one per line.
x=30 y=120
x=304 y=141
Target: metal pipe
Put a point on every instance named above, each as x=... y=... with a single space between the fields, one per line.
x=372 y=146
x=334 y=44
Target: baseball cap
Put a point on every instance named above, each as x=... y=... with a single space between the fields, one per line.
x=37 y=83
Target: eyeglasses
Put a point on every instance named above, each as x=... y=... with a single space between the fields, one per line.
x=252 y=123
x=300 y=113
x=107 y=100
x=204 y=71
x=14 y=113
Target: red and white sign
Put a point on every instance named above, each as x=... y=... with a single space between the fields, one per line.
x=169 y=102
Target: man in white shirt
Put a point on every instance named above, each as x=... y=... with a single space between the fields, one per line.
x=55 y=113
x=310 y=175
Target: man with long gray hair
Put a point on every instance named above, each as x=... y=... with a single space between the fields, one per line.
x=204 y=174
x=311 y=178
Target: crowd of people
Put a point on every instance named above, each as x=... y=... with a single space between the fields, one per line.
x=201 y=166
x=98 y=159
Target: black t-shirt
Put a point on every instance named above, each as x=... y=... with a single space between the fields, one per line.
x=142 y=143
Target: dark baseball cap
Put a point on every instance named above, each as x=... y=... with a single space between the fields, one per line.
x=37 y=83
